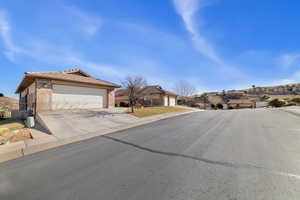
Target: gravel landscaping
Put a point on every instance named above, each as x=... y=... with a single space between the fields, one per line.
x=13 y=131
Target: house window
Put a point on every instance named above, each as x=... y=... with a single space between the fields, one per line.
x=146 y=98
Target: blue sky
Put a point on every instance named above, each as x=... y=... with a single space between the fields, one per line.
x=214 y=44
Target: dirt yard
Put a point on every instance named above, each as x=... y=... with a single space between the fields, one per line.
x=13 y=131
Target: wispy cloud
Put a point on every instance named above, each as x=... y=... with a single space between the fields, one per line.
x=187 y=9
x=10 y=49
x=289 y=60
x=52 y=54
x=46 y=52
x=294 y=78
x=86 y=22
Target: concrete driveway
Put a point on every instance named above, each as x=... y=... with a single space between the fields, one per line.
x=68 y=123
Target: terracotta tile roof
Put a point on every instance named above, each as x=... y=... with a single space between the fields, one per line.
x=74 y=75
x=147 y=90
x=155 y=89
x=122 y=92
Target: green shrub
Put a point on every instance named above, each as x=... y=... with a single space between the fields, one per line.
x=290 y=104
x=219 y=106
x=276 y=103
x=296 y=100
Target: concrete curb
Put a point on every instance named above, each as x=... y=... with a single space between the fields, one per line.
x=20 y=149
x=11 y=151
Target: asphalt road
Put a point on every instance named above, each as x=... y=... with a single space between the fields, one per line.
x=246 y=154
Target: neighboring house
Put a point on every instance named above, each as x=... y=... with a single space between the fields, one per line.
x=240 y=103
x=215 y=100
x=149 y=96
x=8 y=104
x=154 y=95
x=121 y=96
x=71 y=89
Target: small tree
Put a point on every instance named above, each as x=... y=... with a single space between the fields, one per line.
x=205 y=97
x=223 y=92
x=276 y=103
x=133 y=84
x=184 y=88
x=1 y=95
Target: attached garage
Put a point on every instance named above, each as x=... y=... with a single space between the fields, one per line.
x=71 y=97
x=172 y=101
x=166 y=101
x=71 y=89
x=169 y=100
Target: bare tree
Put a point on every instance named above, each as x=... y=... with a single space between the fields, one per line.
x=133 y=84
x=184 y=88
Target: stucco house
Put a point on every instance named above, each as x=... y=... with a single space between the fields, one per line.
x=70 y=89
x=241 y=103
x=153 y=95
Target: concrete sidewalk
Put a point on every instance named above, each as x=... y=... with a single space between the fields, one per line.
x=295 y=110
x=13 y=151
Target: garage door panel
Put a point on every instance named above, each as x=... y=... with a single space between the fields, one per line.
x=70 y=97
x=166 y=101
x=172 y=101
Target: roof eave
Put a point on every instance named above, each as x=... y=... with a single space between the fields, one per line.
x=62 y=79
x=19 y=90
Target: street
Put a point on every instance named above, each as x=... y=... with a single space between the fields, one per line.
x=234 y=154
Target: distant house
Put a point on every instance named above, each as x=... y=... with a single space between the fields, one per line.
x=240 y=103
x=8 y=104
x=215 y=99
x=152 y=95
x=71 y=89
x=121 y=97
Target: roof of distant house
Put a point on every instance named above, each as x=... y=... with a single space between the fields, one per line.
x=73 y=75
x=240 y=101
x=215 y=99
x=155 y=89
x=147 y=90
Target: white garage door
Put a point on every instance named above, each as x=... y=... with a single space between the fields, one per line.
x=166 y=103
x=71 y=97
x=172 y=101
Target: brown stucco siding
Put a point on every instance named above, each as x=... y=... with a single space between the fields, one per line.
x=111 y=98
x=153 y=100
x=27 y=99
x=43 y=95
